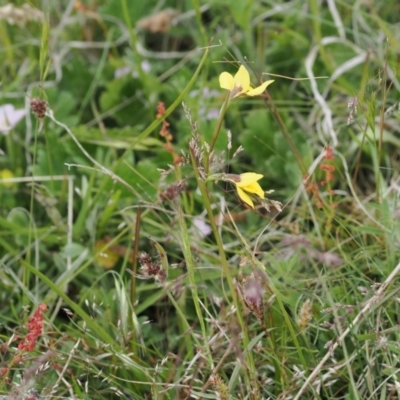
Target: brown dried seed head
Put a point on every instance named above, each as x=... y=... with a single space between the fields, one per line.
x=173 y=191
x=38 y=107
x=161 y=276
x=144 y=258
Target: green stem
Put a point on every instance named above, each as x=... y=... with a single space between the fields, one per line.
x=133 y=278
x=187 y=251
x=11 y=150
x=197 y=10
x=227 y=274
x=217 y=128
x=32 y=226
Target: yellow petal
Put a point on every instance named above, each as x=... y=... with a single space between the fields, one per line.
x=242 y=79
x=254 y=188
x=248 y=178
x=258 y=90
x=226 y=81
x=245 y=197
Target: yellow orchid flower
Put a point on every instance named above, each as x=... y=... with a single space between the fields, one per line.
x=246 y=182
x=239 y=85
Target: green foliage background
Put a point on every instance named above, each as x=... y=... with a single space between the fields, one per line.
x=325 y=262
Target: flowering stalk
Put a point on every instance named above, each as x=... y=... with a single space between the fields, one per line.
x=225 y=268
